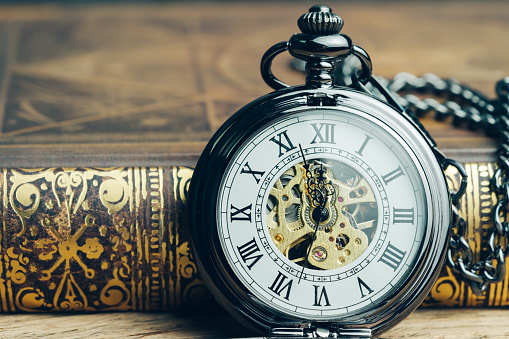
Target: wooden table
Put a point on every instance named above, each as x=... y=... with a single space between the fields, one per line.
x=466 y=40
x=423 y=323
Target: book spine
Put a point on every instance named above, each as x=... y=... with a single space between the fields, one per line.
x=97 y=239
x=93 y=239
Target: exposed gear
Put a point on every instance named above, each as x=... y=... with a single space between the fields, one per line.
x=346 y=224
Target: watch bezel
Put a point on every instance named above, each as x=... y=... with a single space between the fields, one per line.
x=212 y=262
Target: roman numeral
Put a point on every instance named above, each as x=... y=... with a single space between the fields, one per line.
x=392 y=256
x=283 y=145
x=363 y=146
x=319 y=296
x=279 y=286
x=256 y=174
x=393 y=175
x=363 y=286
x=403 y=215
x=248 y=252
x=328 y=138
x=241 y=214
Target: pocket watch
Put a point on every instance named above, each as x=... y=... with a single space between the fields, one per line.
x=320 y=210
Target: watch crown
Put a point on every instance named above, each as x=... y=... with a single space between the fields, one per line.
x=320 y=21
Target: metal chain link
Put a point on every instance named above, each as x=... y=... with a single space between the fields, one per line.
x=468 y=108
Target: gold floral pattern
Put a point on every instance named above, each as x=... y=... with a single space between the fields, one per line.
x=47 y=247
x=91 y=239
x=93 y=248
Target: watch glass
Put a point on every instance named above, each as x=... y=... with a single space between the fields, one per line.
x=323 y=212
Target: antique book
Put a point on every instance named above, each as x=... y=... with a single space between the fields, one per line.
x=103 y=113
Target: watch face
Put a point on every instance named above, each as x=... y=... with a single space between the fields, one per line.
x=323 y=212
x=334 y=214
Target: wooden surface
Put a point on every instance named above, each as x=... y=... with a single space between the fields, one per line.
x=112 y=80
x=429 y=324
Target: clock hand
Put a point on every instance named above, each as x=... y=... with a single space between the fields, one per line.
x=319 y=193
x=306 y=260
x=306 y=165
x=312 y=186
x=317 y=188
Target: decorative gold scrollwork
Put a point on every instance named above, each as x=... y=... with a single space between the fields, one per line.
x=56 y=234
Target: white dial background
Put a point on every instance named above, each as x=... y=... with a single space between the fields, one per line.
x=380 y=156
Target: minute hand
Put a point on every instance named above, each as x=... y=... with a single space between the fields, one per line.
x=318 y=191
x=306 y=165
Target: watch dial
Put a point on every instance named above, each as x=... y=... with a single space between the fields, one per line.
x=323 y=213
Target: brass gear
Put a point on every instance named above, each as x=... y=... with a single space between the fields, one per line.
x=340 y=239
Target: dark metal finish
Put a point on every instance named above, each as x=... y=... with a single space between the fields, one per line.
x=321 y=46
x=362 y=55
x=320 y=21
x=266 y=64
x=213 y=265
